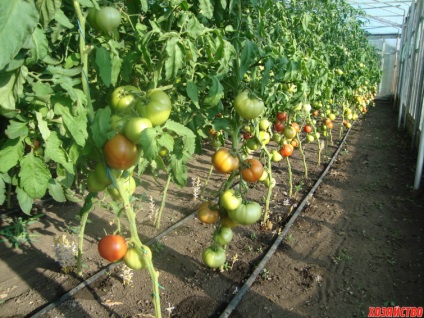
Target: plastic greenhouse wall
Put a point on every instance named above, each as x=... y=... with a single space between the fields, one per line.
x=409 y=77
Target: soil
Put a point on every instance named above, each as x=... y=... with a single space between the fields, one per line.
x=358 y=242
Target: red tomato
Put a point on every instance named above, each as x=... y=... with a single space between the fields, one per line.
x=282 y=116
x=295 y=126
x=252 y=171
x=307 y=128
x=120 y=153
x=287 y=150
x=279 y=126
x=112 y=247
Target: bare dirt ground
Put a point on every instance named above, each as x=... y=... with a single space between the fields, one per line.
x=357 y=244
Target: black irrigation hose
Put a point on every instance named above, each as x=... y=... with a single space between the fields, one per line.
x=237 y=298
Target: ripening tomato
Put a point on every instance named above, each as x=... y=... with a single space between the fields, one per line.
x=286 y=150
x=282 y=116
x=224 y=162
x=252 y=171
x=227 y=222
x=157 y=108
x=112 y=247
x=120 y=153
x=289 y=132
x=307 y=128
x=294 y=143
x=214 y=256
x=264 y=124
x=207 y=212
x=247 y=106
x=296 y=126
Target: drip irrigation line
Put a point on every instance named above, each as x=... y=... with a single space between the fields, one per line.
x=238 y=297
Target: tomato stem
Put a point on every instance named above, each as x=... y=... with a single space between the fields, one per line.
x=162 y=206
x=305 y=166
x=290 y=177
x=206 y=182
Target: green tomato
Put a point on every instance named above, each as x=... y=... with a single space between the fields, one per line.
x=310 y=138
x=270 y=183
x=129 y=187
x=247 y=107
x=123 y=98
x=247 y=213
x=253 y=143
x=134 y=127
x=230 y=200
x=276 y=156
x=214 y=257
x=117 y=123
x=135 y=258
x=93 y=184
x=157 y=109
x=223 y=236
x=264 y=124
x=107 y=19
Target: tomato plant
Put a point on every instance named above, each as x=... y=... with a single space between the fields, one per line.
x=224 y=162
x=120 y=153
x=208 y=212
x=157 y=108
x=252 y=170
x=246 y=213
x=248 y=107
x=214 y=256
x=112 y=247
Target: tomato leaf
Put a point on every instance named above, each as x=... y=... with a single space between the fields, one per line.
x=215 y=93
x=148 y=143
x=34 y=176
x=207 y=8
x=40 y=47
x=18 y=19
x=7 y=96
x=187 y=135
x=101 y=129
x=16 y=129
x=2 y=190
x=55 y=152
x=179 y=171
x=77 y=126
x=192 y=93
x=24 y=200
x=166 y=140
x=56 y=191
x=175 y=58
x=12 y=150
x=62 y=19
x=47 y=9
x=42 y=126
x=104 y=65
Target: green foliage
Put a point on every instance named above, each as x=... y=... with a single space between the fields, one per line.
x=57 y=74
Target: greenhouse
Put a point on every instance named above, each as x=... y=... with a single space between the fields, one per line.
x=211 y=158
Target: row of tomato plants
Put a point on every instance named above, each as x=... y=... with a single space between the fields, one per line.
x=135 y=87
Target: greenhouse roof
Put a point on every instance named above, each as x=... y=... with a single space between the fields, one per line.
x=383 y=18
